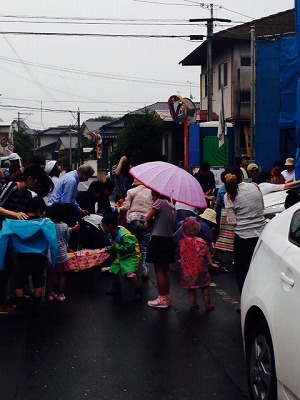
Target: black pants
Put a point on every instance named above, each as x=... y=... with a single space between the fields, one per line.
x=7 y=288
x=90 y=237
x=243 y=251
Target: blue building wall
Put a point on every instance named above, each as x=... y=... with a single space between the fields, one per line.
x=276 y=83
x=194 y=145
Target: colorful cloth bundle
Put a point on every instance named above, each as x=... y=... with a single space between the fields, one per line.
x=84 y=259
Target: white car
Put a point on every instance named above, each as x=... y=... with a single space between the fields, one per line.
x=4 y=163
x=274 y=203
x=270 y=310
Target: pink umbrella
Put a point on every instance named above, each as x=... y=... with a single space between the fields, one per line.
x=171 y=181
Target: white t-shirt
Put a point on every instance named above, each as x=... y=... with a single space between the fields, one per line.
x=288 y=176
x=266 y=187
x=181 y=206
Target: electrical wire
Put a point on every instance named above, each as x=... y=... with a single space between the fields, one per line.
x=175 y=23
x=97 y=74
x=166 y=4
x=5 y=107
x=91 y=18
x=93 y=35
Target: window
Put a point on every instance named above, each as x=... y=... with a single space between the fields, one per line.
x=223 y=74
x=245 y=61
x=245 y=96
x=295 y=228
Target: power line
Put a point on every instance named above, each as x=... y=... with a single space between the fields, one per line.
x=93 y=35
x=27 y=69
x=90 y=18
x=235 y=12
x=81 y=101
x=174 y=23
x=2 y=106
x=167 y=4
x=97 y=74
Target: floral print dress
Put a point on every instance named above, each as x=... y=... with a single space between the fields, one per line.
x=194 y=273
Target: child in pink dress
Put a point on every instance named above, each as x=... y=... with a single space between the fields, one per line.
x=194 y=274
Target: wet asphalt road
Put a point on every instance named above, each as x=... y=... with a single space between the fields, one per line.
x=97 y=347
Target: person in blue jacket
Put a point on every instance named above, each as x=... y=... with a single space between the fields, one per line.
x=31 y=240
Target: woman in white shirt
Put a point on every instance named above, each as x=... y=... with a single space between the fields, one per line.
x=244 y=206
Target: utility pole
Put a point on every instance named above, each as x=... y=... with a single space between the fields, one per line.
x=253 y=94
x=70 y=149
x=79 y=138
x=210 y=34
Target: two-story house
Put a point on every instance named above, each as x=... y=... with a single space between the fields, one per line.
x=232 y=69
x=56 y=142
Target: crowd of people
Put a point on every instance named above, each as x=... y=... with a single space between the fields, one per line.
x=43 y=217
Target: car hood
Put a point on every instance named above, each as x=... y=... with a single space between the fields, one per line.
x=274 y=198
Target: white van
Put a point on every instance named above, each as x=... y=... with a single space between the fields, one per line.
x=4 y=163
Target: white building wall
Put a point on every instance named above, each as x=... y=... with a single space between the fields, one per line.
x=233 y=57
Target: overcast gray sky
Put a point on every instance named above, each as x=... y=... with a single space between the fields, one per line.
x=46 y=79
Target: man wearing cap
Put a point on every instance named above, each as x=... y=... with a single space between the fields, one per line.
x=253 y=172
x=289 y=172
x=15 y=166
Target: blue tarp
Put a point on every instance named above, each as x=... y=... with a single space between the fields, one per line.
x=276 y=89
x=297 y=15
x=288 y=83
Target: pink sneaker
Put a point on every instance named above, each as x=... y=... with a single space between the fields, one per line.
x=160 y=302
x=51 y=296
x=60 y=297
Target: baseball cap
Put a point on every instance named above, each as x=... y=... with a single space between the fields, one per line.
x=289 y=161
x=252 y=167
x=14 y=157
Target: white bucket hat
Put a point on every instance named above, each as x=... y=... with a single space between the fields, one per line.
x=210 y=215
x=49 y=166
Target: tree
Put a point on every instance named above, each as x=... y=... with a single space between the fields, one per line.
x=141 y=138
x=23 y=143
x=103 y=118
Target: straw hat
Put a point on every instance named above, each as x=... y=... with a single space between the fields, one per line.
x=289 y=161
x=190 y=227
x=210 y=215
x=252 y=167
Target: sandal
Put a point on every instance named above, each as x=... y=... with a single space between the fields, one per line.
x=194 y=308
x=210 y=307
